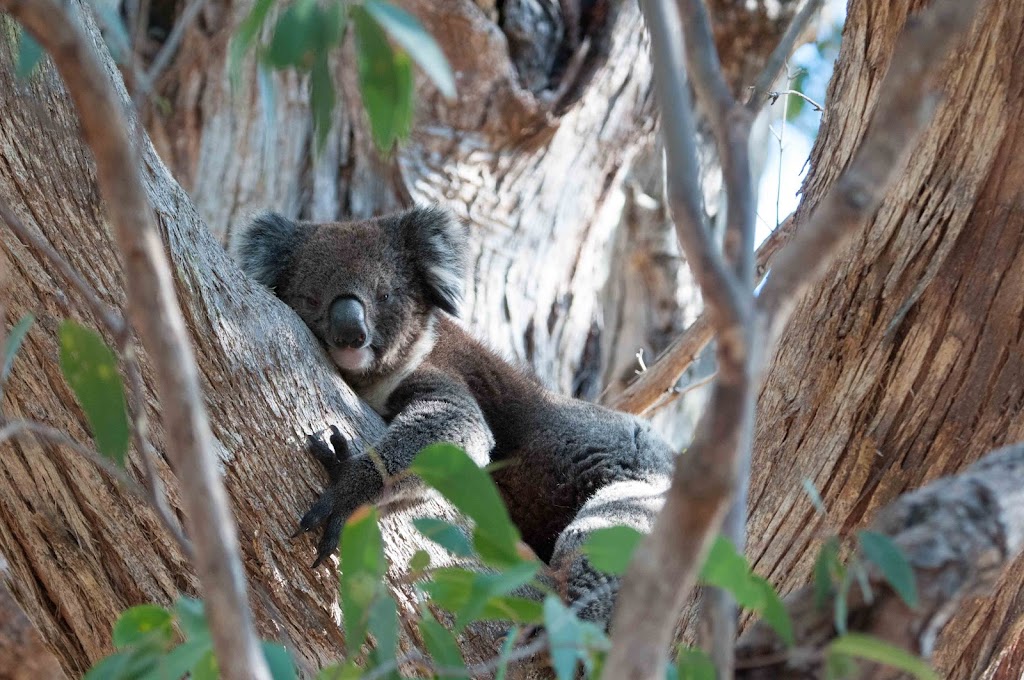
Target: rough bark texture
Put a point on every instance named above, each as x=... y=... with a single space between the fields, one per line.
x=546 y=199
x=917 y=358
x=958 y=533
x=24 y=654
x=907 y=364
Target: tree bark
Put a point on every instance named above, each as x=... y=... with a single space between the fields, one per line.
x=940 y=267
x=906 y=364
x=80 y=551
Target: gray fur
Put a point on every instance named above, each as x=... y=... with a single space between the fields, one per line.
x=572 y=466
x=264 y=248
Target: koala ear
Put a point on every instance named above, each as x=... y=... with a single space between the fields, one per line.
x=263 y=248
x=437 y=241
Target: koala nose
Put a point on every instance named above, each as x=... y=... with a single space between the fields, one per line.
x=348 y=323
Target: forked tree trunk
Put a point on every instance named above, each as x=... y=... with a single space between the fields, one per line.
x=544 y=189
x=77 y=550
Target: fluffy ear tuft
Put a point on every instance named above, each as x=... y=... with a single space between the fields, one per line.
x=438 y=240
x=264 y=247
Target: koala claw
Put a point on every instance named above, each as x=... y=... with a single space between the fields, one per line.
x=334 y=457
x=331 y=456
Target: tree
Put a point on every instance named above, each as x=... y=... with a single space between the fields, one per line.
x=60 y=516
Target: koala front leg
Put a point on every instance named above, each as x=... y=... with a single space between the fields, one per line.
x=429 y=407
x=352 y=481
x=631 y=503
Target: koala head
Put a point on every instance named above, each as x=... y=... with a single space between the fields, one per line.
x=368 y=290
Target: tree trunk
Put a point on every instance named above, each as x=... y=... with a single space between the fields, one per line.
x=79 y=550
x=547 y=188
x=907 y=363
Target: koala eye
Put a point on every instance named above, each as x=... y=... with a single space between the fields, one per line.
x=385 y=296
x=310 y=300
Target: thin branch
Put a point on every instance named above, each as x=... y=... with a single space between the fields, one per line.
x=170 y=46
x=775 y=94
x=107 y=315
x=730 y=125
x=722 y=292
x=154 y=312
x=905 y=105
x=653 y=385
x=713 y=472
x=781 y=54
x=114 y=323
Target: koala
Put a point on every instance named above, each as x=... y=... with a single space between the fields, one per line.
x=382 y=296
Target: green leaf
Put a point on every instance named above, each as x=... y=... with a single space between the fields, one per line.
x=812 y=493
x=569 y=639
x=466 y=593
x=890 y=560
x=826 y=567
x=184 y=658
x=727 y=569
x=694 y=664
x=279 y=661
x=30 y=53
x=293 y=35
x=362 y=572
x=506 y=651
x=14 y=339
x=446 y=535
x=245 y=35
x=206 y=668
x=191 y=616
x=408 y=32
x=420 y=560
x=130 y=664
x=90 y=368
x=774 y=612
x=512 y=608
x=841 y=603
x=441 y=644
x=383 y=625
x=448 y=469
x=341 y=671
x=610 y=549
x=838 y=666
x=146 y=622
x=879 y=651
x=321 y=99
x=385 y=80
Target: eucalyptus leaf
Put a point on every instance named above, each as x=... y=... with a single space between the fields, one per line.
x=14 y=339
x=30 y=53
x=90 y=368
x=873 y=649
x=443 y=648
x=407 y=31
x=891 y=562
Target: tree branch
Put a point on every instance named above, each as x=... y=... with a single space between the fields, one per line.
x=777 y=60
x=722 y=293
x=117 y=327
x=154 y=313
x=713 y=471
x=655 y=385
x=958 y=533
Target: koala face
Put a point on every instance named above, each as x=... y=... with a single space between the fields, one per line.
x=368 y=290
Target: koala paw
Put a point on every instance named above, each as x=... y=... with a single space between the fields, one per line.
x=331 y=510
